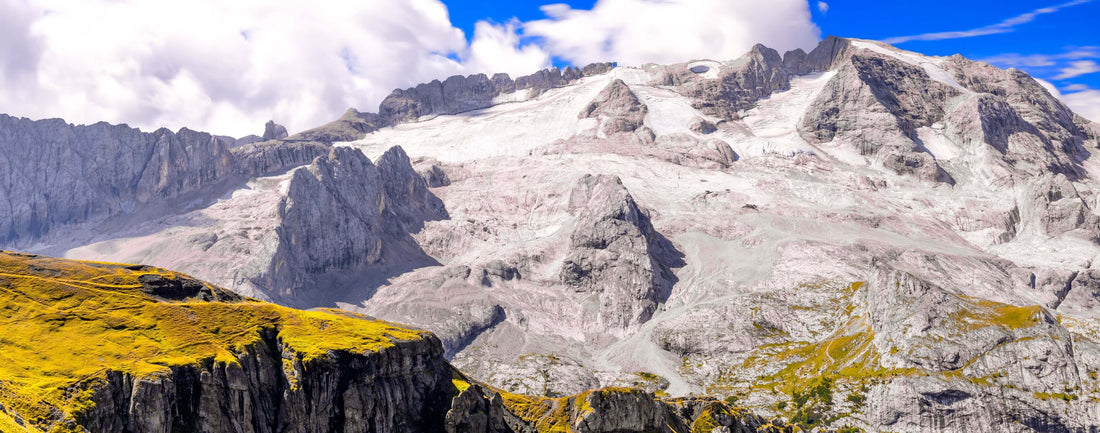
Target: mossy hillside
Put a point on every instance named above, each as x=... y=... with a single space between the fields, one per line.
x=820 y=383
x=67 y=323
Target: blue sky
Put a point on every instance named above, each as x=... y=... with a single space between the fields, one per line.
x=1042 y=46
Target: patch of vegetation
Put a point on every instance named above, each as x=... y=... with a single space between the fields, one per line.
x=67 y=323
x=1067 y=397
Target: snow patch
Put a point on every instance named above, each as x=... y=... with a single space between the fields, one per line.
x=772 y=123
x=937 y=143
x=932 y=66
x=512 y=129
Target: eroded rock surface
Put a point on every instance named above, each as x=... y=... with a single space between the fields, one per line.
x=614 y=251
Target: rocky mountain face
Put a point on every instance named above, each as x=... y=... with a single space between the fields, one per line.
x=615 y=252
x=342 y=212
x=857 y=237
x=273 y=370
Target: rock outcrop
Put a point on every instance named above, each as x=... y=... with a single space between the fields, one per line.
x=342 y=212
x=615 y=252
x=57 y=174
x=616 y=108
x=759 y=74
x=274 y=131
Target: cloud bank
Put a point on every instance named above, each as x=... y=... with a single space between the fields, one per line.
x=228 y=67
x=634 y=32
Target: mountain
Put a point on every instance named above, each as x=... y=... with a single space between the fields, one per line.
x=857 y=236
x=106 y=348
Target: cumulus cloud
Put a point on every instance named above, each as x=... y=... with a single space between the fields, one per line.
x=1085 y=102
x=227 y=67
x=635 y=32
x=1078 y=68
x=822 y=7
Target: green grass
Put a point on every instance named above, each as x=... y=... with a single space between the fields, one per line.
x=67 y=323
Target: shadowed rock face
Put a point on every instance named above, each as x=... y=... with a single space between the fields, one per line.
x=55 y=173
x=342 y=213
x=58 y=174
x=616 y=252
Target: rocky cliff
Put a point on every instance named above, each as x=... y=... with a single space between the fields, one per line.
x=93 y=347
x=57 y=174
x=343 y=213
x=616 y=253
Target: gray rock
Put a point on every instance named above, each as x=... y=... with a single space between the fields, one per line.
x=266 y=157
x=615 y=252
x=342 y=211
x=352 y=125
x=593 y=69
x=274 y=131
x=57 y=174
x=458 y=94
x=617 y=109
x=434 y=176
x=702 y=126
x=828 y=54
x=759 y=74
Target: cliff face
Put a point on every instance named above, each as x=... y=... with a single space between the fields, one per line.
x=106 y=348
x=57 y=174
x=344 y=213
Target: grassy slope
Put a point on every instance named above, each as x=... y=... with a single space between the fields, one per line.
x=66 y=323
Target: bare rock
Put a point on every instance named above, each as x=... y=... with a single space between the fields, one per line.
x=617 y=108
x=274 y=131
x=616 y=252
x=759 y=74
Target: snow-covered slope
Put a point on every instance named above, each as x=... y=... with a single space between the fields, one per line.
x=912 y=236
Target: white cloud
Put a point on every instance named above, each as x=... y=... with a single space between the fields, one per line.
x=1078 y=68
x=1006 y=26
x=1050 y=87
x=635 y=32
x=1086 y=103
x=496 y=48
x=823 y=7
x=227 y=67
x=1076 y=87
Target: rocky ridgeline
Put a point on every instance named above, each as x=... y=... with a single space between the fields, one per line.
x=63 y=174
x=458 y=94
x=58 y=174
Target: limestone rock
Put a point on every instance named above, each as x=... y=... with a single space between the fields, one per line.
x=759 y=74
x=617 y=108
x=352 y=125
x=57 y=173
x=274 y=131
x=615 y=252
x=342 y=211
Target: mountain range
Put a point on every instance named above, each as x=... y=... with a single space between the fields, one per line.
x=857 y=237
